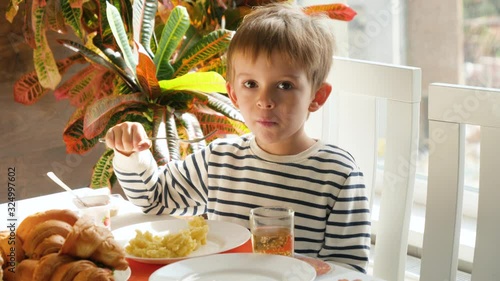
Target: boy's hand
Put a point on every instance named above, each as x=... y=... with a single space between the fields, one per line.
x=127 y=138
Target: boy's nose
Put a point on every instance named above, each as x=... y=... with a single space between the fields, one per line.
x=265 y=101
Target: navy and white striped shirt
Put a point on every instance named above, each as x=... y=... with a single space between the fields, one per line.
x=322 y=185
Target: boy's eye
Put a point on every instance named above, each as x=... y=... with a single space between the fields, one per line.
x=285 y=86
x=250 y=84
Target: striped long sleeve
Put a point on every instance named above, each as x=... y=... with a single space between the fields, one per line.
x=323 y=185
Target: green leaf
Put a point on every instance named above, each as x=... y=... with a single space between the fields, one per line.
x=144 y=12
x=195 y=81
x=214 y=43
x=173 y=31
x=103 y=171
x=116 y=24
x=45 y=64
x=99 y=113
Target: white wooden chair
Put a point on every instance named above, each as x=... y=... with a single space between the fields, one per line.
x=361 y=91
x=451 y=107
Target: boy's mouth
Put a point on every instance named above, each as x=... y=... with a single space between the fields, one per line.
x=266 y=122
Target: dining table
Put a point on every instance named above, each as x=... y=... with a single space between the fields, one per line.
x=14 y=211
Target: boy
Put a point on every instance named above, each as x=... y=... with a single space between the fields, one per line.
x=278 y=61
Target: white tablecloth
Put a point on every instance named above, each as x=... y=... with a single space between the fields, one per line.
x=128 y=214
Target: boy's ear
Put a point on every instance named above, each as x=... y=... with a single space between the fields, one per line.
x=231 y=94
x=320 y=97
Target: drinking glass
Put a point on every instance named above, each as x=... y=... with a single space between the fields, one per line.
x=272 y=230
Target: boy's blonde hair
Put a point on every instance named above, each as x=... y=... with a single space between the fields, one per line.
x=305 y=40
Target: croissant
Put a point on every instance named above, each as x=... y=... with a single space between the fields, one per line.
x=88 y=241
x=6 y=243
x=44 y=232
x=26 y=226
x=1 y=268
x=57 y=267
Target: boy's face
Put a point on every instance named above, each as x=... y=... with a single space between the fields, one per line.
x=275 y=99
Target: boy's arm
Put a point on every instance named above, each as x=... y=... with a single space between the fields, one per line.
x=348 y=229
x=175 y=188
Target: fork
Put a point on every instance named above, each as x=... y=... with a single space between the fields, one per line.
x=103 y=140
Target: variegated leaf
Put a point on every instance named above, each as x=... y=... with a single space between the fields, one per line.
x=191 y=36
x=146 y=74
x=55 y=17
x=72 y=16
x=98 y=113
x=12 y=9
x=28 y=90
x=173 y=136
x=118 y=29
x=337 y=11
x=73 y=134
x=83 y=87
x=103 y=171
x=223 y=125
x=172 y=34
x=144 y=12
x=219 y=103
x=28 y=32
x=96 y=58
x=213 y=43
x=216 y=64
x=192 y=129
x=160 y=147
x=45 y=64
x=195 y=81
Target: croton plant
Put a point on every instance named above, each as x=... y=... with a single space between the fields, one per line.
x=157 y=62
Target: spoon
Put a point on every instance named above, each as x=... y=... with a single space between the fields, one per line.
x=59 y=182
x=103 y=140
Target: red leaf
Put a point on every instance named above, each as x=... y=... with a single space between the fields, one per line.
x=337 y=11
x=98 y=113
x=55 y=17
x=28 y=32
x=146 y=74
x=27 y=90
x=73 y=134
x=83 y=87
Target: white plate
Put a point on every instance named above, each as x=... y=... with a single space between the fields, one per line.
x=122 y=275
x=240 y=267
x=222 y=236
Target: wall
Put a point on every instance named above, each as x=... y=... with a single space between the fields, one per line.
x=31 y=136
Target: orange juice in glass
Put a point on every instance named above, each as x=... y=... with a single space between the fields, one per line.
x=272 y=230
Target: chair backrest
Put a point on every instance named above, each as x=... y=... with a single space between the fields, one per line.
x=361 y=91
x=451 y=107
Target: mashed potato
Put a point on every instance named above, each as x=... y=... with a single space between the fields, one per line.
x=173 y=245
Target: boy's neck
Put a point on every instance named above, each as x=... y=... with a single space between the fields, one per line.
x=287 y=148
